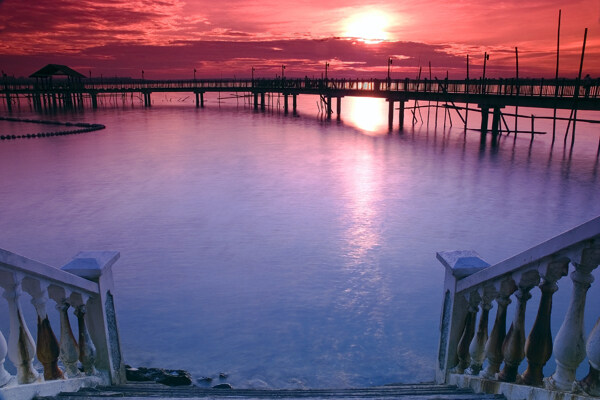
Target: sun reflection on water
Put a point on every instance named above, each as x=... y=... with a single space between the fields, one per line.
x=365 y=113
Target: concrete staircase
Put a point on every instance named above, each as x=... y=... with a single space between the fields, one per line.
x=141 y=391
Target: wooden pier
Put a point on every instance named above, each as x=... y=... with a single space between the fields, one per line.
x=488 y=95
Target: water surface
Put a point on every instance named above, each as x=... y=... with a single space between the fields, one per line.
x=286 y=251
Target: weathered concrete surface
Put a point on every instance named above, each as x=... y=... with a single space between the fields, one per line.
x=512 y=391
x=152 y=391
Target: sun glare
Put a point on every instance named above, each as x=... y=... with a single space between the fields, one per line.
x=369 y=27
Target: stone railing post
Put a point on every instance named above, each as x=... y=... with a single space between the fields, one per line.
x=69 y=350
x=569 y=346
x=591 y=383
x=5 y=377
x=458 y=264
x=21 y=347
x=477 y=347
x=538 y=347
x=464 y=344
x=47 y=347
x=493 y=347
x=87 y=350
x=513 y=347
x=100 y=316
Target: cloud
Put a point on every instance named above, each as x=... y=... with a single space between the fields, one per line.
x=215 y=58
x=68 y=25
x=168 y=37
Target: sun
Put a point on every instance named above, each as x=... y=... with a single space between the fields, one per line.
x=369 y=27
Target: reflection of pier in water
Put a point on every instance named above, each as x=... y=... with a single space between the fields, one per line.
x=486 y=96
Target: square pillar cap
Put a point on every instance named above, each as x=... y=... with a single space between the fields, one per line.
x=91 y=264
x=461 y=263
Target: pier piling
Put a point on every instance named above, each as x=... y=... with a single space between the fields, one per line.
x=401 y=115
x=391 y=114
x=484 y=117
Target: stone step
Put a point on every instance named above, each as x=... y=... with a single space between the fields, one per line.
x=152 y=391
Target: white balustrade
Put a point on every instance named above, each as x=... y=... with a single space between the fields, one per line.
x=468 y=333
x=493 y=347
x=21 y=347
x=84 y=285
x=87 y=350
x=538 y=347
x=69 y=350
x=569 y=346
x=5 y=377
x=477 y=347
x=549 y=261
x=513 y=347
x=591 y=383
x=47 y=347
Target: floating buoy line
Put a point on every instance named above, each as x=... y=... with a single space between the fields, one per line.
x=78 y=127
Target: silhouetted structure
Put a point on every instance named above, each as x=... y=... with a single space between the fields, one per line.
x=490 y=95
x=65 y=91
x=51 y=70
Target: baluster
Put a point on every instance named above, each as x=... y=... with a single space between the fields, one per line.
x=5 y=377
x=21 y=347
x=570 y=343
x=69 y=351
x=538 y=347
x=477 y=347
x=47 y=348
x=591 y=383
x=468 y=332
x=513 y=346
x=87 y=350
x=493 y=347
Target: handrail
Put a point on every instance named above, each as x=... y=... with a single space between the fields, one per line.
x=507 y=87
x=10 y=260
x=85 y=284
x=554 y=247
x=469 y=357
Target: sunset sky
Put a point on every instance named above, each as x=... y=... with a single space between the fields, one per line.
x=169 y=38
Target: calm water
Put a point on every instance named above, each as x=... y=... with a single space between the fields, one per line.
x=286 y=251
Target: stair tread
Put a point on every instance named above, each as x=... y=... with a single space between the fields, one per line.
x=152 y=391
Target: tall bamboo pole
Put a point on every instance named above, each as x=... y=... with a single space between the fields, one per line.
x=518 y=90
x=467 y=90
x=578 y=85
x=556 y=77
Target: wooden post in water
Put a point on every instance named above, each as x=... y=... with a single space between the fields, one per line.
x=8 y=102
x=483 y=85
x=496 y=121
x=532 y=127
x=294 y=104
x=467 y=92
x=577 y=87
x=339 y=107
x=518 y=92
x=429 y=102
x=556 y=77
x=484 y=117
x=401 y=117
x=285 y=103
x=390 y=114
